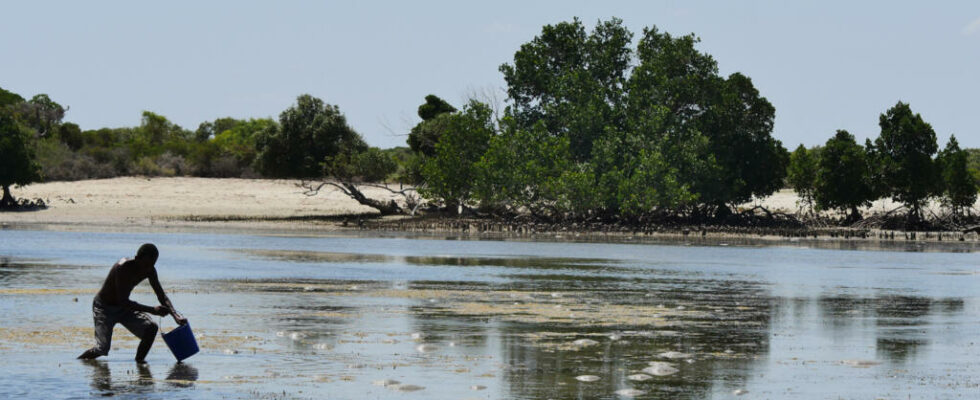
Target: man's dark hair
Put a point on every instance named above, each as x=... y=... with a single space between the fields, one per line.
x=147 y=252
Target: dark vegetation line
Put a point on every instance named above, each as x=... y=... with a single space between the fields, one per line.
x=600 y=127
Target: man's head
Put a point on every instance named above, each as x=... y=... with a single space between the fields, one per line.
x=147 y=254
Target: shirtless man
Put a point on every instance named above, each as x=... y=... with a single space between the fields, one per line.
x=112 y=304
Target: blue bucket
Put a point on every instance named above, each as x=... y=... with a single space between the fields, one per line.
x=181 y=342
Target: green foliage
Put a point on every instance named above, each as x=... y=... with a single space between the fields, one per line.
x=572 y=81
x=371 y=165
x=406 y=165
x=424 y=136
x=738 y=125
x=973 y=164
x=905 y=149
x=8 y=98
x=41 y=114
x=521 y=169
x=802 y=174
x=434 y=106
x=959 y=187
x=843 y=176
x=71 y=135
x=307 y=134
x=712 y=134
x=208 y=130
x=17 y=164
x=634 y=178
x=451 y=174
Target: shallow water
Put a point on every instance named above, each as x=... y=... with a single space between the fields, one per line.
x=347 y=316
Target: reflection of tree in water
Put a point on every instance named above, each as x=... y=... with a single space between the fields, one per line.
x=898 y=350
x=726 y=330
x=30 y=273
x=898 y=320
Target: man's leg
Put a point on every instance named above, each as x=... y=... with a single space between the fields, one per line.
x=144 y=328
x=103 y=334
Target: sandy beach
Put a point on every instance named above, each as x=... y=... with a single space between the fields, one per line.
x=184 y=202
x=212 y=203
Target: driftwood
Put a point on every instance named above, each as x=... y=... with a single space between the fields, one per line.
x=352 y=190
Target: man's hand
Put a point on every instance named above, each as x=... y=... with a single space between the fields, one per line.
x=160 y=310
x=179 y=319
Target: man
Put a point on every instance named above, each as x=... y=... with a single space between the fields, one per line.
x=112 y=304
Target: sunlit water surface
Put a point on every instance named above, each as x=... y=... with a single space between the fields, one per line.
x=335 y=317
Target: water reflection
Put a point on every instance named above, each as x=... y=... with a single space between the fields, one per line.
x=782 y=323
x=101 y=376
x=182 y=375
x=902 y=325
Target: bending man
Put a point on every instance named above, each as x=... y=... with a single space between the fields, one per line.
x=112 y=304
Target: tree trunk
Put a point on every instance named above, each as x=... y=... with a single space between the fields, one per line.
x=8 y=200
x=855 y=215
x=389 y=208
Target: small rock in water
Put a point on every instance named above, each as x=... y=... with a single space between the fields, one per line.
x=639 y=377
x=452 y=344
x=297 y=335
x=556 y=295
x=417 y=336
x=681 y=308
x=407 y=388
x=739 y=392
x=630 y=392
x=673 y=355
x=230 y=351
x=426 y=348
x=585 y=342
x=661 y=369
x=385 y=382
x=281 y=333
x=615 y=336
x=477 y=387
x=586 y=378
x=323 y=346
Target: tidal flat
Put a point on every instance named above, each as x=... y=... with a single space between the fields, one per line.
x=360 y=317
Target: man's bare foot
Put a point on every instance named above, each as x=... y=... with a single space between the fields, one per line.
x=89 y=354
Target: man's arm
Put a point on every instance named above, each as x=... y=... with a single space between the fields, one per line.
x=122 y=295
x=162 y=297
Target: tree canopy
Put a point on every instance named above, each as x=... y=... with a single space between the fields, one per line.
x=905 y=149
x=17 y=163
x=842 y=180
x=713 y=134
x=959 y=188
x=801 y=174
x=308 y=133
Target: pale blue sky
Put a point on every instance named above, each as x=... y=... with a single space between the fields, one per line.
x=825 y=65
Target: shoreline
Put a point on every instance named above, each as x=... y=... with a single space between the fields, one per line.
x=278 y=207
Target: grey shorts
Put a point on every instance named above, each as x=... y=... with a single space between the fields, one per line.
x=106 y=317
